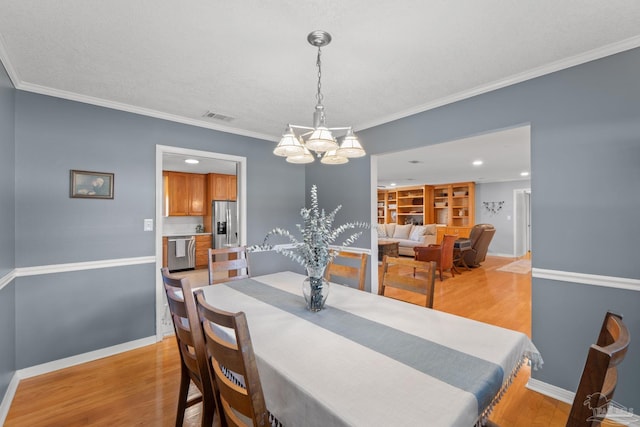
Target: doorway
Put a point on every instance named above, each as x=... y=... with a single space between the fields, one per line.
x=522 y=222
x=163 y=321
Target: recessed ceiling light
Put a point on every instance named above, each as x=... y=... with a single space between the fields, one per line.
x=393 y=184
x=415 y=162
x=524 y=173
x=192 y=161
x=477 y=162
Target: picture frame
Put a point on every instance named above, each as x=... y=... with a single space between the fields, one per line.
x=90 y=185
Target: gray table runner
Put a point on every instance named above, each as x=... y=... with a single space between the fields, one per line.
x=477 y=376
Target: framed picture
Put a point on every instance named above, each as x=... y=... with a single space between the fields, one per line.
x=91 y=185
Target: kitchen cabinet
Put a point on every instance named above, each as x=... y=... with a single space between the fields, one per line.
x=222 y=187
x=185 y=193
x=203 y=243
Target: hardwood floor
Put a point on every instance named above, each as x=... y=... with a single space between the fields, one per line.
x=140 y=387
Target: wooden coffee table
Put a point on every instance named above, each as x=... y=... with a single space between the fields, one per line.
x=387 y=247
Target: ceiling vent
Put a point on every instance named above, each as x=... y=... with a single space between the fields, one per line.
x=218 y=116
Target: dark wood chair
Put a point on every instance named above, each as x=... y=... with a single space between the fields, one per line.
x=396 y=273
x=600 y=374
x=343 y=266
x=192 y=350
x=232 y=365
x=442 y=254
x=232 y=263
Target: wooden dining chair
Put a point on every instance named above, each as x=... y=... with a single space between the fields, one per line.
x=348 y=265
x=226 y=264
x=600 y=374
x=232 y=365
x=397 y=273
x=442 y=254
x=191 y=346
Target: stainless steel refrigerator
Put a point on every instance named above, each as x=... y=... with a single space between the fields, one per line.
x=225 y=223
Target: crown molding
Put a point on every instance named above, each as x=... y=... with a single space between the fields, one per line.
x=598 y=53
x=72 y=96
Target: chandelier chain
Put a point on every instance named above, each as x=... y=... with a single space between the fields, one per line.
x=319 y=64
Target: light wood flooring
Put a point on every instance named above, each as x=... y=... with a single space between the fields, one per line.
x=140 y=387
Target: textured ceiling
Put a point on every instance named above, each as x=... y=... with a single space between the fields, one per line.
x=250 y=60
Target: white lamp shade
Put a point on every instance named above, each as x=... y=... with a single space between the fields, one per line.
x=306 y=157
x=289 y=145
x=331 y=158
x=351 y=147
x=321 y=140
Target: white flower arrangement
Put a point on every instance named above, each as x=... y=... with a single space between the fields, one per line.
x=313 y=252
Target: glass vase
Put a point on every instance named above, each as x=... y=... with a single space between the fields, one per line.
x=315 y=288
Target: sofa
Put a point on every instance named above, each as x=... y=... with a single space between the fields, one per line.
x=408 y=236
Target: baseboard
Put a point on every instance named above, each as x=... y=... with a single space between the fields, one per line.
x=616 y=413
x=83 y=358
x=550 y=390
x=8 y=398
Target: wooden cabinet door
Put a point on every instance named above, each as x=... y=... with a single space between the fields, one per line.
x=232 y=187
x=223 y=187
x=197 y=194
x=178 y=187
x=203 y=243
x=461 y=232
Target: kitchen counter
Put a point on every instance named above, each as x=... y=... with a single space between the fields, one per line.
x=185 y=234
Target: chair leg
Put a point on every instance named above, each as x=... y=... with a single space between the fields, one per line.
x=208 y=410
x=182 y=396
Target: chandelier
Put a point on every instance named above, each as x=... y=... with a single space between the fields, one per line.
x=297 y=147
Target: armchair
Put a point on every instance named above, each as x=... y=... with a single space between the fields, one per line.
x=442 y=254
x=480 y=236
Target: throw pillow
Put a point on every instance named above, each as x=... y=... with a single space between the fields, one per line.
x=402 y=231
x=382 y=231
x=417 y=233
x=431 y=229
x=390 y=227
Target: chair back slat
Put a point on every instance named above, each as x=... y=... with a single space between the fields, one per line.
x=232 y=261
x=355 y=271
x=398 y=273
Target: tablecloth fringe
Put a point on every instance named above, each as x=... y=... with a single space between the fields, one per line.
x=534 y=360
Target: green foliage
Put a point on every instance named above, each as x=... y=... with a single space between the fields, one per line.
x=318 y=234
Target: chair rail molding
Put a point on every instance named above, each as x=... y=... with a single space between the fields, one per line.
x=587 y=279
x=78 y=266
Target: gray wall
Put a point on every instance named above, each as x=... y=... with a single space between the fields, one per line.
x=93 y=309
x=7 y=233
x=585 y=148
x=502 y=242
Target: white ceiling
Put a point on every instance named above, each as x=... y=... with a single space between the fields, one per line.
x=504 y=154
x=250 y=59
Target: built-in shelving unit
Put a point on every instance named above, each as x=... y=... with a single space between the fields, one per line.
x=448 y=205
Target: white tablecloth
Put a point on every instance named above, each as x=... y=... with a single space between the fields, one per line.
x=327 y=368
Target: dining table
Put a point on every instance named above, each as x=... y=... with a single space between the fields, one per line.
x=370 y=360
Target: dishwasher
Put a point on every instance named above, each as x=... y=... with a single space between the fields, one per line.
x=181 y=253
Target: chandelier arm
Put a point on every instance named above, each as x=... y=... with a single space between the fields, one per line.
x=302 y=127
